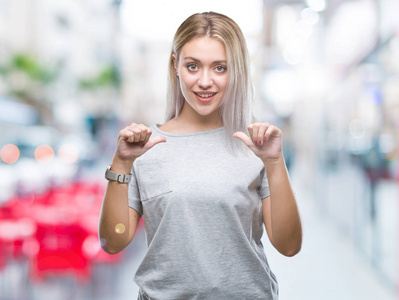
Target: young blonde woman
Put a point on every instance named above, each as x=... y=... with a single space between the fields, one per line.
x=206 y=181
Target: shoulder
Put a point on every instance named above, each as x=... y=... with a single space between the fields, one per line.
x=170 y=126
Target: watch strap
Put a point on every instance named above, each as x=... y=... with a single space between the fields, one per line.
x=121 y=178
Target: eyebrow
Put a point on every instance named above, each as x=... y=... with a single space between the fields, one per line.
x=197 y=60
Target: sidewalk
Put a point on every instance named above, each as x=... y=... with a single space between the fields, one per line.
x=328 y=266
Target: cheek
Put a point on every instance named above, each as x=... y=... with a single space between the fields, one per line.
x=183 y=85
x=222 y=83
x=184 y=88
x=186 y=82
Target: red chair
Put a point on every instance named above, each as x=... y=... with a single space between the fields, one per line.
x=60 y=252
x=13 y=234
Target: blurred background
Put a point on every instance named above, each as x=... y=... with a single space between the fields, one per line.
x=73 y=73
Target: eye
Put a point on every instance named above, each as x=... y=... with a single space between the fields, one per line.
x=220 y=69
x=192 y=67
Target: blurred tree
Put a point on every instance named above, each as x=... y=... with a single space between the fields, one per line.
x=27 y=80
x=32 y=68
x=108 y=77
x=104 y=87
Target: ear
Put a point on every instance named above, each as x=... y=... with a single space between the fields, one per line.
x=175 y=62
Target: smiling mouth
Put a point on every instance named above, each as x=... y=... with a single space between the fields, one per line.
x=205 y=96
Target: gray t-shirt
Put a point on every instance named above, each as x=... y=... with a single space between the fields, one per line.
x=202 y=210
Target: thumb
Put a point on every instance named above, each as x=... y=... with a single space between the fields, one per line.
x=152 y=142
x=243 y=137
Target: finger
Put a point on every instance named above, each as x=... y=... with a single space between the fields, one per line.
x=254 y=136
x=144 y=132
x=130 y=134
x=134 y=136
x=250 y=130
x=243 y=137
x=261 y=133
x=126 y=134
x=152 y=142
x=137 y=134
x=269 y=132
x=147 y=136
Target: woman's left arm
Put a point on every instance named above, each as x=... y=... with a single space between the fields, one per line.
x=280 y=211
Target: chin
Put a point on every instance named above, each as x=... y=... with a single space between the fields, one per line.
x=205 y=113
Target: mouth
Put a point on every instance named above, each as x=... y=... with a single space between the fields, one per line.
x=205 y=97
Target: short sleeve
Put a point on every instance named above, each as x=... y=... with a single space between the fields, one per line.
x=263 y=188
x=134 y=194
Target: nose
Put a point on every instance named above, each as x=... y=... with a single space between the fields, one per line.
x=205 y=81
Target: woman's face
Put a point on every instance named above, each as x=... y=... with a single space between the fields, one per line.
x=202 y=68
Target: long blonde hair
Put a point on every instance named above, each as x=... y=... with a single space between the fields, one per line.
x=235 y=110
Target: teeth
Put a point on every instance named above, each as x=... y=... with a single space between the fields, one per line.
x=205 y=95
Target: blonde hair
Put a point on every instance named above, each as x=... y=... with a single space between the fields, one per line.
x=235 y=109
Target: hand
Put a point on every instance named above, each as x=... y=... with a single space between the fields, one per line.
x=134 y=140
x=265 y=140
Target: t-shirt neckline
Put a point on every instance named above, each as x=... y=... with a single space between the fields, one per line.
x=155 y=126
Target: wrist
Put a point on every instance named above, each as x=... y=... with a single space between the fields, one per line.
x=121 y=166
x=275 y=168
x=273 y=161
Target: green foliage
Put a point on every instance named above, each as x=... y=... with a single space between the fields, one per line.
x=2 y=70
x=108 y=77
x=29 y=65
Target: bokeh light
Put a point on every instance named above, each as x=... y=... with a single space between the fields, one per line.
x=310 y=16
x=357 y=128
x=9 y=153
x=91 y=246
x=103 y=243
x=317 y=5
x=120 y=228
x=68 y=153
x=44 y=154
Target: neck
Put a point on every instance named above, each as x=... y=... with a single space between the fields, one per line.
x=190 y=119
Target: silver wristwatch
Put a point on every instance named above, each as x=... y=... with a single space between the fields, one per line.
x=121 y=178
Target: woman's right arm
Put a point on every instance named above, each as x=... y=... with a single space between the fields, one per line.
x=118 y=222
